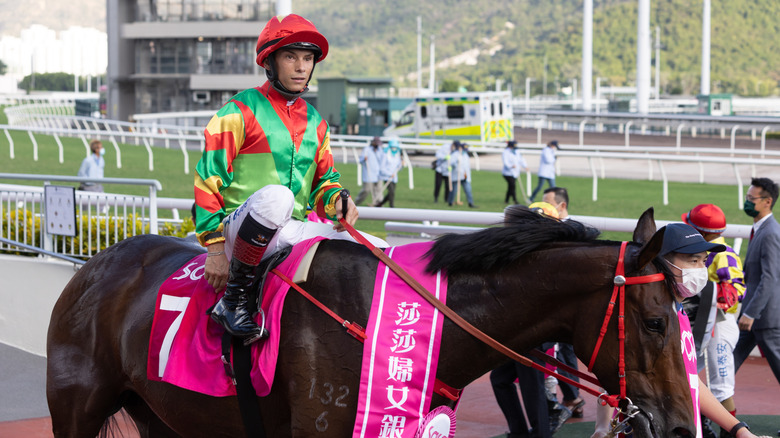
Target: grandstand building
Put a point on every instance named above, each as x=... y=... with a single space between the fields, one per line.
x=181 y=55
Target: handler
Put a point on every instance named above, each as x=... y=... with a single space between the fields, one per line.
x=267 y=157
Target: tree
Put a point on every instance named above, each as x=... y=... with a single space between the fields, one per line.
x=449 y=85
x=48 y=82
x=3 y=67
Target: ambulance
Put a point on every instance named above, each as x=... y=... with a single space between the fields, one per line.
x=477 y=117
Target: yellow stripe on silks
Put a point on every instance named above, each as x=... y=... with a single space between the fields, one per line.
x=211 y=185
x=228 y=123
x=330 y=206
x=325 y=148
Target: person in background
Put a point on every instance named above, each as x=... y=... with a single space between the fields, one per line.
x=759 y=322
x=442 y=170
x=685 y=252
x=92 y=167
x=392 y=162
x=725 y=270
x=546 y=167
x=371 y=162
x=558 y=197
x=192 y=236
x=531 y=418
x=513 y=164
x=460 y=174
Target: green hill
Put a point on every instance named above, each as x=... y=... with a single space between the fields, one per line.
x=378 y=38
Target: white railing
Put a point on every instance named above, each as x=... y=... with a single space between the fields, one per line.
x=102 y=219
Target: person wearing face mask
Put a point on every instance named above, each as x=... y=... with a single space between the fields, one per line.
x=759 y=320
x=392 y=163
x=727 y=277
x=685 y=252
x=92 y=167
x=371 y=161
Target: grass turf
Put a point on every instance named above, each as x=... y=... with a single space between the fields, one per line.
x=617 y=198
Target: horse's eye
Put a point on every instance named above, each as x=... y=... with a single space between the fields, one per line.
x=655 y=325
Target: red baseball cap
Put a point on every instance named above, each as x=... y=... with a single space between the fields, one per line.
x=707 y=218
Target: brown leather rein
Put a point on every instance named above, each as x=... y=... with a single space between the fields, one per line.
x=618 y=293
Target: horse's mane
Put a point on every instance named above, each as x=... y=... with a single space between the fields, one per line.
x=494 y=248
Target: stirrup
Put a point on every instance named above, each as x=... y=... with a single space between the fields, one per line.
x=263 y=332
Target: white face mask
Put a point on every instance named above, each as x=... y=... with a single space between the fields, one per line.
x=693 y=281
x=102 y=151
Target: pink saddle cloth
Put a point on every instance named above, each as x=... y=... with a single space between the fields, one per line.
x=185 y=346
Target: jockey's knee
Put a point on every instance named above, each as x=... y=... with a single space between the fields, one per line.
x=272 y=206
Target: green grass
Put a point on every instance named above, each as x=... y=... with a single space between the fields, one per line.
x=616 y=198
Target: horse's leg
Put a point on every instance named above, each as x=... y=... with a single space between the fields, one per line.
x=81 y=396
x=146 y=421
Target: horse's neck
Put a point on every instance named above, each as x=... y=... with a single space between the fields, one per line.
x=532 y=303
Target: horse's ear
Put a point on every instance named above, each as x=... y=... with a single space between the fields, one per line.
x=645 y=227
x=651 y=249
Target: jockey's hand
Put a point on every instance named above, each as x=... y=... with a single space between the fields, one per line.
x=352 y=214
x=217 y=267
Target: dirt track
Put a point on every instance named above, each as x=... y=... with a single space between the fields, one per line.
x=635 y=169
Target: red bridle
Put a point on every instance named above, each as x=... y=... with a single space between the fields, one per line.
x=618 y=292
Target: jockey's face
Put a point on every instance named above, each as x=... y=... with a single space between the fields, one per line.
x=293 y=67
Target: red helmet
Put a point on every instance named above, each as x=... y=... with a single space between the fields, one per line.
x=286 y=30
x=707 y=218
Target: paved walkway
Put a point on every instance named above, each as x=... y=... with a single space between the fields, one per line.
x=24 y=414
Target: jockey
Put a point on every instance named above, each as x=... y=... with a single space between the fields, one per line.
x=267 y=158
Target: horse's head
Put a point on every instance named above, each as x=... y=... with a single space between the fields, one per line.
x=656 y=380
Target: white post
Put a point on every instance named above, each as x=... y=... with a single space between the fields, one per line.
x=643 y=58
x=539 y=133
x=657 y=63
x=705 y=48
x=528 y=93
x=628 y=130
x=574 y=93
x=598 y=94
x=432 y=79
x=11 y=143
x=582 y=132
x=733 y=138
x=679 y=133
x=419 y=53
x=283 y=7
x=763 y=140
x=587 y=54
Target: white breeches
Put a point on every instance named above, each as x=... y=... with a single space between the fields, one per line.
x=272 y=207
x=720 y=357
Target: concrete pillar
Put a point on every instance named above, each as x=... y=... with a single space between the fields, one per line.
x=705 y=49
x=643 y=58
x=283 y=7
x=587 y=54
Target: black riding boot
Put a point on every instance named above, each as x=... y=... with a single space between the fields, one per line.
x=231 y=311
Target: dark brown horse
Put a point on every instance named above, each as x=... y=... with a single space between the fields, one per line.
x=532 y=280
